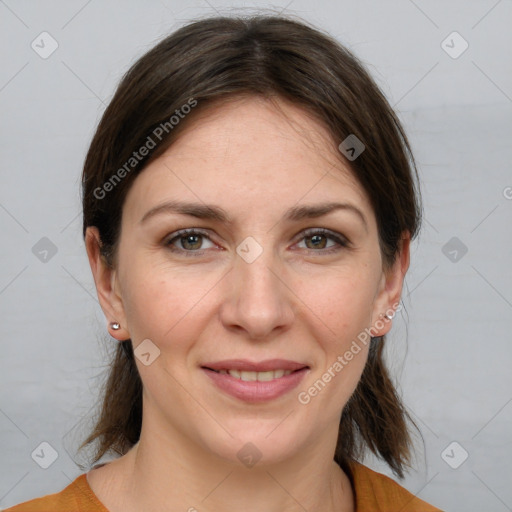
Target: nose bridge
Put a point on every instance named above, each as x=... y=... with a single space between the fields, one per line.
x=258 y=302
x=256 y=271
x=255 y=267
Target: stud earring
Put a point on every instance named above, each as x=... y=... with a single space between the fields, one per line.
x=115 y=326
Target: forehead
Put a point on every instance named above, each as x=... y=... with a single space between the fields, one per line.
x=250 y=156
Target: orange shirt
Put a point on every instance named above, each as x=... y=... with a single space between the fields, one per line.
x=374 y=492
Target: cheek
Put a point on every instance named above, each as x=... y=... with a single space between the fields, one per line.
x=160 y=301
x=344 y=305
x=343 y=301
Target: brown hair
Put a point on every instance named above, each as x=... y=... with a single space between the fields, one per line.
x=215 y=59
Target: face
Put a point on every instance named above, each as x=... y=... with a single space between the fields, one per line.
x=261 y=280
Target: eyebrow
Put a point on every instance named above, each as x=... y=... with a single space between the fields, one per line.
x=212 y=212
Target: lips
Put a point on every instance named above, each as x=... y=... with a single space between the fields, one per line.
x=255 y=381
x=250 y=366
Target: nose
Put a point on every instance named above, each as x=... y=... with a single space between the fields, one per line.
x=258 y=300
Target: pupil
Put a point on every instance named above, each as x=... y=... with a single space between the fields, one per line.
x=190 y=238
x=316 y=239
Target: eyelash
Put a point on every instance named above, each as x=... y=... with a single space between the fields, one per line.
x=340 y=240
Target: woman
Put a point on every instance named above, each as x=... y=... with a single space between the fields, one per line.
x=249 y=200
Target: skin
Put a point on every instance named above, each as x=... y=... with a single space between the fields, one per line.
x=295 y=301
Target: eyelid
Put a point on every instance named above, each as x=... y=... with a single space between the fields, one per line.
x=342 y=239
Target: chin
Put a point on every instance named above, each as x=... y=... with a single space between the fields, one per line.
x=251 y=445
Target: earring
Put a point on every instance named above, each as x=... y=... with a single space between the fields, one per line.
x=115 y=326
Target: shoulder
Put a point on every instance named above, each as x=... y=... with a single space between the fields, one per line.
x=76 y=497
x=377 y=492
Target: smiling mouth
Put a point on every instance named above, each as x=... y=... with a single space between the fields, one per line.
x=249 y=376
x=256 y=382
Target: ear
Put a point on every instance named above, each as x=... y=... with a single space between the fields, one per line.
x=105 y=279
x=390 y=290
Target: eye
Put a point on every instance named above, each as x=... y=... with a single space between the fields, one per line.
x=190 y=241
x=319 y=237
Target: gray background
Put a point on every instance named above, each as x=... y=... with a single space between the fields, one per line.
x=452 y=350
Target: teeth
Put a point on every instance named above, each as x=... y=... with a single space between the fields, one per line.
x=248 y=376
x=260 y=376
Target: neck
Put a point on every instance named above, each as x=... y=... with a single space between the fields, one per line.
x=221 y=487
x=169 y=473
